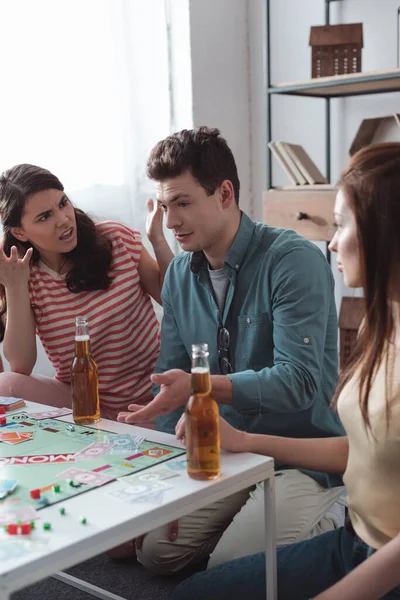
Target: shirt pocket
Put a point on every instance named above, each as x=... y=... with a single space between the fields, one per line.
x=255 y=342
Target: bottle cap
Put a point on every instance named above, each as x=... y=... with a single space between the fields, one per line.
x=199 y=348
x=81 y=320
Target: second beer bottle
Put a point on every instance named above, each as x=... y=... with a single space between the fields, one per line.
x=202 y=420
x=84 y=382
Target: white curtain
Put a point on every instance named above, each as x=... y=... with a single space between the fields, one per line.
x=85 y=93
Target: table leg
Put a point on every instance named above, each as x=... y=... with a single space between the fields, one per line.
x=270 y=533
x=84 y=586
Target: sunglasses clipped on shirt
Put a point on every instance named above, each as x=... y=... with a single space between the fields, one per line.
x=223 y=341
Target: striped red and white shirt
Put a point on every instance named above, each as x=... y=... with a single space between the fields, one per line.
x=124 y=331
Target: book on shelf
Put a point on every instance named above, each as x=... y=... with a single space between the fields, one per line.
x=282 y=147
x=295 y=160
x=307 y=167
x=275 y=151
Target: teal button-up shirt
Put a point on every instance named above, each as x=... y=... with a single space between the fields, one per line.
x=281 y=315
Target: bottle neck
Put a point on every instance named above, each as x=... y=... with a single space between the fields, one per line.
x=201 y=379
x=82 y=346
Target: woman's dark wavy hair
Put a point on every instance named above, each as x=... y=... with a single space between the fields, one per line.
x=371 y=184
x=90 y=259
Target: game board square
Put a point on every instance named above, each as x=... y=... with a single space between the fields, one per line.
x=157 y=452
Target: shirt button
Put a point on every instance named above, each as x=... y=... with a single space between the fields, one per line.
x=306 y=340
x=237 y=267
x=248 y=320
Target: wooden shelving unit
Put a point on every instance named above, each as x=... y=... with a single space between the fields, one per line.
x=315 y=201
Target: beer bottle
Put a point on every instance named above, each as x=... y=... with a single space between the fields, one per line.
x=84 y=382
x=202 y=420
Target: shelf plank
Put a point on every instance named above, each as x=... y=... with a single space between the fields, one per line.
x=318 y=187
x=355 y=84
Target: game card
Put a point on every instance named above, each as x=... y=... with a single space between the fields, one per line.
x=158 y=474
x=8 y=485
x=141 y=493
x=24 y=514
x=124 y=443
x=141 y=486
x=177 y=465
x=50 y=414
x=15 y=437
x=11 y=402
x=93 y=451
x=85 y=476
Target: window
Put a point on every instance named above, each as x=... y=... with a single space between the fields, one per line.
x=85 y=93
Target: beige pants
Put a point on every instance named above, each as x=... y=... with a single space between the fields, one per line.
x=301 y=504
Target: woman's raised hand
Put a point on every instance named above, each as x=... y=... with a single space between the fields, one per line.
x=154 y=221
x=14 y=271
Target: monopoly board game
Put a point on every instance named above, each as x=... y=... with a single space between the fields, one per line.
x=54 y=460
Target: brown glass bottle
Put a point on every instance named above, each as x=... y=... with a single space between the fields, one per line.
x=202 y=420
x=84 y=382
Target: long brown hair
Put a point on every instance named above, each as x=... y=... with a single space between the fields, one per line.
x=90 y=259
x=371 y=184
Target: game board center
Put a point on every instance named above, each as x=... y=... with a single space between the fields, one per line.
x=49 y=461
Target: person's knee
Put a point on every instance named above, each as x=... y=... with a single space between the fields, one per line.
x=159 y=555
x=11 y=383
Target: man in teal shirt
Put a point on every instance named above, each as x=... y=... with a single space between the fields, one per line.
x=262 y=299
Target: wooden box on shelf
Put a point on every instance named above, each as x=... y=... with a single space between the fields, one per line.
x=306 y=209
x=336 y=49
x=368 y=132
x=350 y=317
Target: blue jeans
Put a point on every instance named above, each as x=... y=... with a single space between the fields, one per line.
x=304 y=570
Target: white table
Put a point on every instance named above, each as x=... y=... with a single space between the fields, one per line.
x=110 y=523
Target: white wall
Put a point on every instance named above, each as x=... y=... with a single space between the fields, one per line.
x=178 y=15
x=220 y=77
